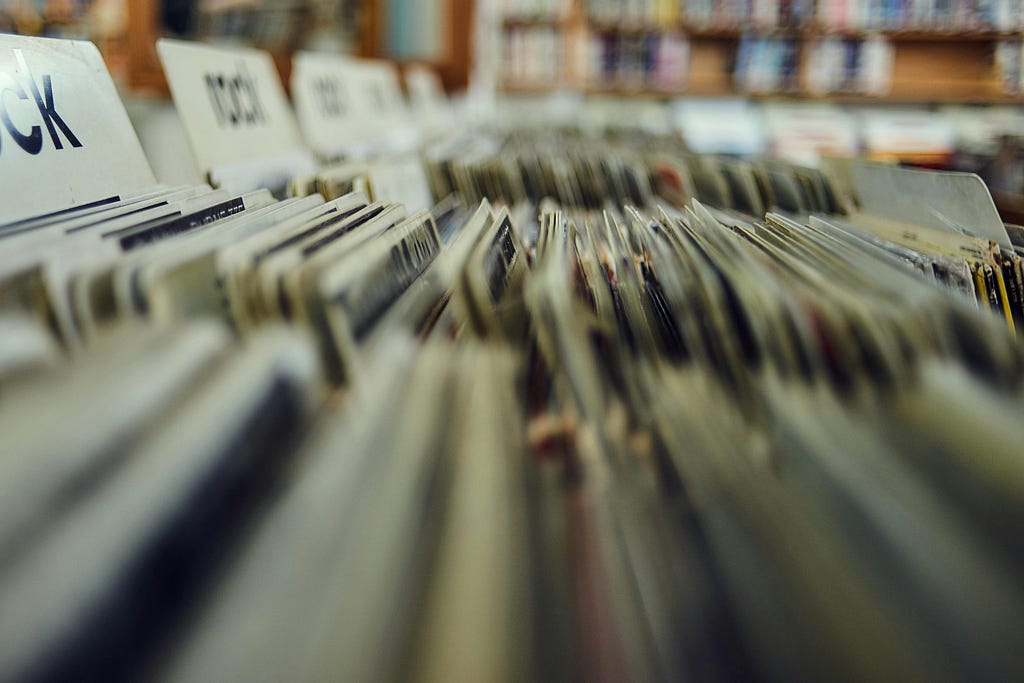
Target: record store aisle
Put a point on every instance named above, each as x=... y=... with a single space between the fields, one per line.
x=391 y=396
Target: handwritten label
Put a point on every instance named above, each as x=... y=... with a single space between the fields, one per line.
x=235 y=114
x=65 y=139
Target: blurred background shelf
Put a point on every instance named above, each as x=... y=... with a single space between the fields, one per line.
x=924 y=96
x=626 y=48
x=807 y=33
x=433 y=32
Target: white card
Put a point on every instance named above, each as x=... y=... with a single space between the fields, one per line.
x=403 y=181
x=425 y=90
x=346 y=106
x=65 y=139
x=236 y=115
x=958 y=202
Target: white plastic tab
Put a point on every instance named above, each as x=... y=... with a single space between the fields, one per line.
x=347 y=106
x=958 y=202
x=235 y=114
x=65 y=139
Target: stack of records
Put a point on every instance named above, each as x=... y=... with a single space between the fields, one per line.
x=606 y=410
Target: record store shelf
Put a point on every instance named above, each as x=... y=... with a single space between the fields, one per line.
x=934 y=66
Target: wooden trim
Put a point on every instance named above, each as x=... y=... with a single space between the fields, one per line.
x=144 y=69
x=454 y=65
x=372 y=23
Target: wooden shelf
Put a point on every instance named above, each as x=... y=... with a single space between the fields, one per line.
x=897 y=97
x=639 y=93
x=535 y=21
x=718 y=90
x=923 y=36
x=627 y=27
x=705 y=32
x=929 y=65
x=534 y=88
x=693 y=32
x=735 y=33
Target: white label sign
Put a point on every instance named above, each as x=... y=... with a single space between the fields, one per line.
x=65 y=139
x=429 y=103
x=345 y=105
x=959 y=202
x=235 y=114
x=403 y=181
x=425 y=89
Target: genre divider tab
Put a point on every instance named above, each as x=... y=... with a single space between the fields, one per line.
x=65 y=139
x=236 y=115
x=427 y=98
x=402 y=180
x=959 y=202
x=347 y=106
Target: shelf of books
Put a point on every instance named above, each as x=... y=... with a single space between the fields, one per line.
x=279 y=28
x=840 y=50
x=410 y=31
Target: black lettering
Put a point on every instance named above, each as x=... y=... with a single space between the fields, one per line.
x=31 y=143
x=406 y=256
x=235 y=99
x=257 y=113
x=377 y=96
x=329 y=99
x=213 y=93
x=46 y=107
x=236 y=105
x=250 y=112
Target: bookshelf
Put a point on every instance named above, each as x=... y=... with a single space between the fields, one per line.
x=364 y=23
x=914 y=62
x=279 y=28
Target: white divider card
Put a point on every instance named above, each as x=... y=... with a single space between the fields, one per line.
x=347 y=106
x=427 y=97
x=236 y=115
x=958 y=202
x=402 y=180
x=65 y=139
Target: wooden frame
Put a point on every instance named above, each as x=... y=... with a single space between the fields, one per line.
x=454 y=68
x=144 y=70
